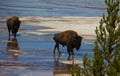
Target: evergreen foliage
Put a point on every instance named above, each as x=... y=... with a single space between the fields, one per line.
x=106 y=60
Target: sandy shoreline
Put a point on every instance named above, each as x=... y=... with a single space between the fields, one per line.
x=84 y=26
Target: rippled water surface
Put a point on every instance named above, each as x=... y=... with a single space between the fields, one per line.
x=30 y=53
x=52 y=7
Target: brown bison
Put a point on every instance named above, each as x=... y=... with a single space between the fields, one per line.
x=70 y=39
x=13 y=24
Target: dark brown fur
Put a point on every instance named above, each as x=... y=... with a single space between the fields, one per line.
x=13 y=24
x=68 y=38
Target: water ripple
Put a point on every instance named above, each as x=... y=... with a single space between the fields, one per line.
x=52 y=8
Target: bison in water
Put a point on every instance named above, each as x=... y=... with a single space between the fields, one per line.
x=67 y=38
x=13 y=24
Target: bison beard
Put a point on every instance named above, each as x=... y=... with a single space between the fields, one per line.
x=13 y=24
x=67 y=38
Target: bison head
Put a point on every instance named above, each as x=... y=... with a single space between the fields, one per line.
x=77 y=42
x=16 y=27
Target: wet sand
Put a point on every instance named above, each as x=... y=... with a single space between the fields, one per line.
x=32 y=53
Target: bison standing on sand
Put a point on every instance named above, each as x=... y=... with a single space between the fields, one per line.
x=13 y=24
x=70 y=39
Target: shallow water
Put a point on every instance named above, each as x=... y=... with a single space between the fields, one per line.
x=32 y=52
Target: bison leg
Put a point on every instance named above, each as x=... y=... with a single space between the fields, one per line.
x=56 y=46
x=70 y=50
x=70 y=57
x=14 y=32
x=9 y=29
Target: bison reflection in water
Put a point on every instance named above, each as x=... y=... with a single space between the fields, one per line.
x=67 y=38
x=13 y=47
x=60 y=68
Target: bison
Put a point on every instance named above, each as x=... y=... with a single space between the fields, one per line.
x=13 y=24
x=67 y=38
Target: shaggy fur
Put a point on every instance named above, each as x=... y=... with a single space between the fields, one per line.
x=13 y=24
x=67 y=38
